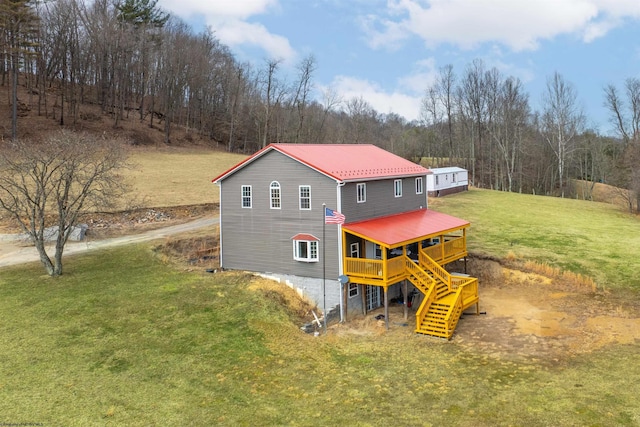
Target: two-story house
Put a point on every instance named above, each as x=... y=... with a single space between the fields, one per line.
x=273 y=219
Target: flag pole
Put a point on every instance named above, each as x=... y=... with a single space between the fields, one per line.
x=324 y=266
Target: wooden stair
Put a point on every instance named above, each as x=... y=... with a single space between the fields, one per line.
x=441 y=318
x=442 y=307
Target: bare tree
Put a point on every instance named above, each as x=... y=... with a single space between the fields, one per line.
x=362 y=115
x=625 y=114
x=509 y=127
x=473 y=106
x=438 y=110
x=58 y=178
x=562 y=121
x=269 y=90
x=302 y=91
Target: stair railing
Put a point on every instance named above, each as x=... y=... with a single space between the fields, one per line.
x=454 y=313
x=435 y=268
x=422 y=311
x=414 y=269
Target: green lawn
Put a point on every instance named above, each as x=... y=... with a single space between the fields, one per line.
x=594 y=239
x=123 y=339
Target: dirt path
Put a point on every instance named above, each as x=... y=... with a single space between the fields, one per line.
x=526 y=316
x=12 y=253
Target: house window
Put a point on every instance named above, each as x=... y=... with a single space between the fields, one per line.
x=419 y=185
x=246 y=196
x=305 y=197
x=353 y=290
x=453 y=177
x=436 y=179
x=354 y=250
x=274 y=189
x=305 y=248
x=362 y=192
x=397 y=186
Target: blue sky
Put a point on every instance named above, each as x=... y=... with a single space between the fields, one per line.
x=389 y=51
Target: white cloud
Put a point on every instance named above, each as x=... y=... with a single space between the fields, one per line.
x=236 y=33
x=218 y=9
x=228 y=20
x=403 y=104
x=520 y=25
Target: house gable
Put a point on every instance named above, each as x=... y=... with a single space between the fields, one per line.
x=260 y=238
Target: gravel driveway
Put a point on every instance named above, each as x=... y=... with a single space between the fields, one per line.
x=12 y=253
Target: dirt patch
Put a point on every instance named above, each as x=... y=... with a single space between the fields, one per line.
x=200 y=251
x=112 y=224
x=524 y=315
x=299 y=309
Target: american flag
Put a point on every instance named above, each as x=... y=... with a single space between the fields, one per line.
x=333 y=217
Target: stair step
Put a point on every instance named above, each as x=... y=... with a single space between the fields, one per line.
x=436 y=314
x=440 y=334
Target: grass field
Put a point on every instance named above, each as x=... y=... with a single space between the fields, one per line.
x=124 y=339
x=598 y=240
x=175 y=178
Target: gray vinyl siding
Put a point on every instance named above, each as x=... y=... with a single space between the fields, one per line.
x=381 y=199
x=259 y=239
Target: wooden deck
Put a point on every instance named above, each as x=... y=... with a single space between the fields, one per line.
x=446 y=295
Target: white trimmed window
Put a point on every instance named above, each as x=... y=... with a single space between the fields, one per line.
x=419 y=188
x=274 y=192
x=305 y=248
x=246 y=196
x=305 y=197
x=353 y=290
x=354 y=250
x=362 y=192
x=397 y=187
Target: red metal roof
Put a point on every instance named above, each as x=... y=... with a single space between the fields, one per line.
x=395 y=229
x=304 y=236
x=343 y=162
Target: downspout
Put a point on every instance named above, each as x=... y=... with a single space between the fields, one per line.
x=340 y=249
x=426 y=193
x=220 y=224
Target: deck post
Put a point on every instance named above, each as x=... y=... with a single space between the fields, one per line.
x=386 y=308
x=363 y=293
x=345 y=300
x=406 y=299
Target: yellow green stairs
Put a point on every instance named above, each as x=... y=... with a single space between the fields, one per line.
x=445 y=296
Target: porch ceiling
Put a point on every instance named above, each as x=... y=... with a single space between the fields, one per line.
x=394 y=230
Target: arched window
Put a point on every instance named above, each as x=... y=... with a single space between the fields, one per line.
x=274 y=190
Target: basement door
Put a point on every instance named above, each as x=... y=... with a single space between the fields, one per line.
x=373 y=297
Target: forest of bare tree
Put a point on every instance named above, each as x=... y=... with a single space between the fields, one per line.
x=137 y=63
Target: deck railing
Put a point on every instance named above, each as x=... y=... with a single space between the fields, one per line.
x=468 y=289
x=377 y=270
x=454 y=247
x=364 y=268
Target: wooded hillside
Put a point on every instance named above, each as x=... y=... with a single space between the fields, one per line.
x=127 y=66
